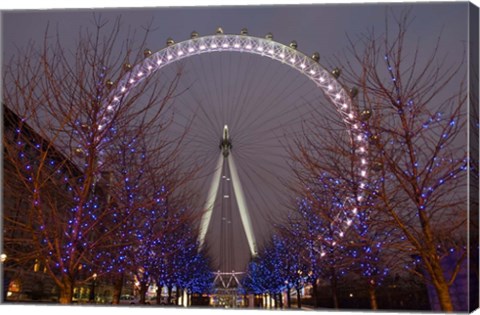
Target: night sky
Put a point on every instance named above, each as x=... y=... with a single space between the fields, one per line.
x=262 y=101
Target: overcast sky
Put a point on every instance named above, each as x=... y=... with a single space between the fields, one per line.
x=318 y=27
x=315 y=27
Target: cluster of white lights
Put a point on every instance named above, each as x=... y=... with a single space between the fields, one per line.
x=224 y=42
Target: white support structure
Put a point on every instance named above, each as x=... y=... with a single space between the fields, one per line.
x=212 y=194
x=226 y=157
x=242 y=206
x=228 y=285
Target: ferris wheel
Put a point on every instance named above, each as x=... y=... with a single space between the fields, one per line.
x=244 y=98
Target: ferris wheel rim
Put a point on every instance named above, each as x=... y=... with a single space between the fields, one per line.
x=244 y=43
x=173 y=52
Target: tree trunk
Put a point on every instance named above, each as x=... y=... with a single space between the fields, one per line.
x=435 y=272
x=143 y=291
x=334 y=292
x=169 y=295
x=280 y=300
x=158 y=298
x=299 y=298
x=66 y=291
x=91 y=296
x=373 y=297
x=441 y=287
x=6 y=283
x=315 y=293
x=117 y=288
x=289 y=298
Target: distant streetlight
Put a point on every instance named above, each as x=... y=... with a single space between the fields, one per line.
x=3 y=257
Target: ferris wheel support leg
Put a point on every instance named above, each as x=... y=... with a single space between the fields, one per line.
x=212 y=193
x=242 y=206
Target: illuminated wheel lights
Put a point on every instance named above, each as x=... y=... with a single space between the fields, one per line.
x=288 y=55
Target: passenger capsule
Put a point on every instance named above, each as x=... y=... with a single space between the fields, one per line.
x=377 y=166
x=79 y=152
x=316 y=57
x=170 y=41
x=293 y=44
x=336 y=73
x=269 y=36
x=127 y=66
x=194 y=35
x=244 y=31
x=219 y=31
x=374 y=139
x=147 y=53
x=85 y=127
x=365 y=115
x=109 y=83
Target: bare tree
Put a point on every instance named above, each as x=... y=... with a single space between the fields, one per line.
x=145 y=170
x=60 y=146
x=412 y=111
x=416 y=135
x=335 y=208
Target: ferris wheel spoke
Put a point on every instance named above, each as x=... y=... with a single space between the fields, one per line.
x=262 y=202
x=265 y=92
